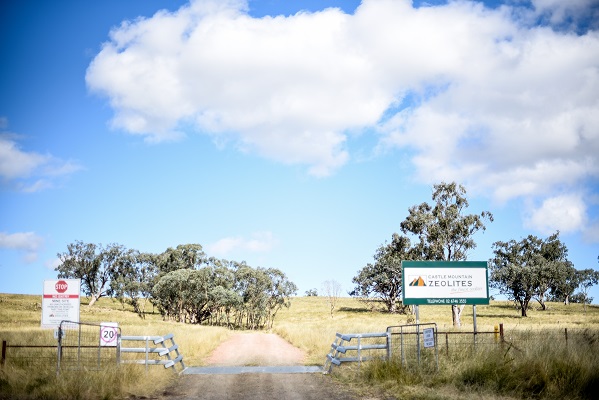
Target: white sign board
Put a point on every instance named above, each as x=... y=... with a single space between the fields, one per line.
x=442 y=282
x=108 y=334
x=60 y=302
x=429 y=337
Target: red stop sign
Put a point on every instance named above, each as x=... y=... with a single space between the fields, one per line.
x=61 y=286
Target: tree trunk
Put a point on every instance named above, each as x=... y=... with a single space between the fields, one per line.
x=93 y=300
x=392 y=307
x=524 y=307
x=542 y=302
x=567 y=300
x=456 y=314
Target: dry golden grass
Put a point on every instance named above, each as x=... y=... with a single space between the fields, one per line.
x=307 y=324
x=20 y=319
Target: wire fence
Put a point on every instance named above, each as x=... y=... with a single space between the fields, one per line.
x=415 y=344
x=87 y=346
x=455 y=345
x=28 y=356
x=423 y=346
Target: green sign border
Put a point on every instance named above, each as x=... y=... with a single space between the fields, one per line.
x=443 y=300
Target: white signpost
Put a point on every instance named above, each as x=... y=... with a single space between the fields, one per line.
x=60 y=302
x=429 y=337
x=108 y=334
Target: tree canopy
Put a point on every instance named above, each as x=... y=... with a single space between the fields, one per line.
x=530 y=269
x=181 y=282
x=94 y=264
x=383 y=279
x=444 y=230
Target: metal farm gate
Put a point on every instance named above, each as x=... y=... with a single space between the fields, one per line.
x=414 y=345
x=87 y=346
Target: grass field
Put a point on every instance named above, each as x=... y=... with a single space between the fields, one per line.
x=309 y=326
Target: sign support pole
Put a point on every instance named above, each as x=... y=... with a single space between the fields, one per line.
x=474 y=320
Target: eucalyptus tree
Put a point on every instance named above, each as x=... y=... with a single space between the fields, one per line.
x=252 y=285
x=136 y=276
x=124 y=275
x=190 y=256
x=185 y=295
x=95 y=265
x=530 y=269
x=512 y=272
x=555 y=268
x=383 y=279
x=171 y=293
x=278 y=293
x=587 y=278
x=223 y=293
x=444 y=231
x=564 y=285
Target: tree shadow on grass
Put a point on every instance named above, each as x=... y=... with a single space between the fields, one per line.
x=504 y=306
x=484 y=315
x=354 y=310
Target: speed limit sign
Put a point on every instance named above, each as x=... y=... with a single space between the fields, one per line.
x=109 y=334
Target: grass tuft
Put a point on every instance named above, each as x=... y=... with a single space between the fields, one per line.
x=536 y=363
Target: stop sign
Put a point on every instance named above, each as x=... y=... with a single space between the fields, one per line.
x=61 y=286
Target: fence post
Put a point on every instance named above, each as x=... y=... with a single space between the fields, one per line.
x=566 y=334
x=360 y=350
x=3 y=359
x=501 y=333
x=147 y=349
x=59 y=349
x=474 y=320
x=388 y=345
x=447 y=343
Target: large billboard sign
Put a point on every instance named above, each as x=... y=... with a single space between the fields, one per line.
x=445 y=282
x=60 y=302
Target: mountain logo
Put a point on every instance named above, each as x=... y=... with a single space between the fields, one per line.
x=417 y=282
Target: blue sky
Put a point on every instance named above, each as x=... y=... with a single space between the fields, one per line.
x=292 y=135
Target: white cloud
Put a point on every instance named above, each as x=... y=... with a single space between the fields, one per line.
x=480 y=96
x=53 y=264
x=559 y=12
x=259 y=242
x=286 y=87
x=29 y=171
x=27 y=242
x=566 y=213
x=15 y=163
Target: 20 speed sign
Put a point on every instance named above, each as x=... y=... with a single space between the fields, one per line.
x=109 y=334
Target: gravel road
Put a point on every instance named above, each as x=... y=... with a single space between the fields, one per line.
x=257 y=349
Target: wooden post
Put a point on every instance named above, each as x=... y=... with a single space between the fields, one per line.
x=3 y=359
x=501 y=332
x=447 y=343
x=566 y=334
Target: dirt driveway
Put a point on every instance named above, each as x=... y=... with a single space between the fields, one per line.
x=257 y=349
